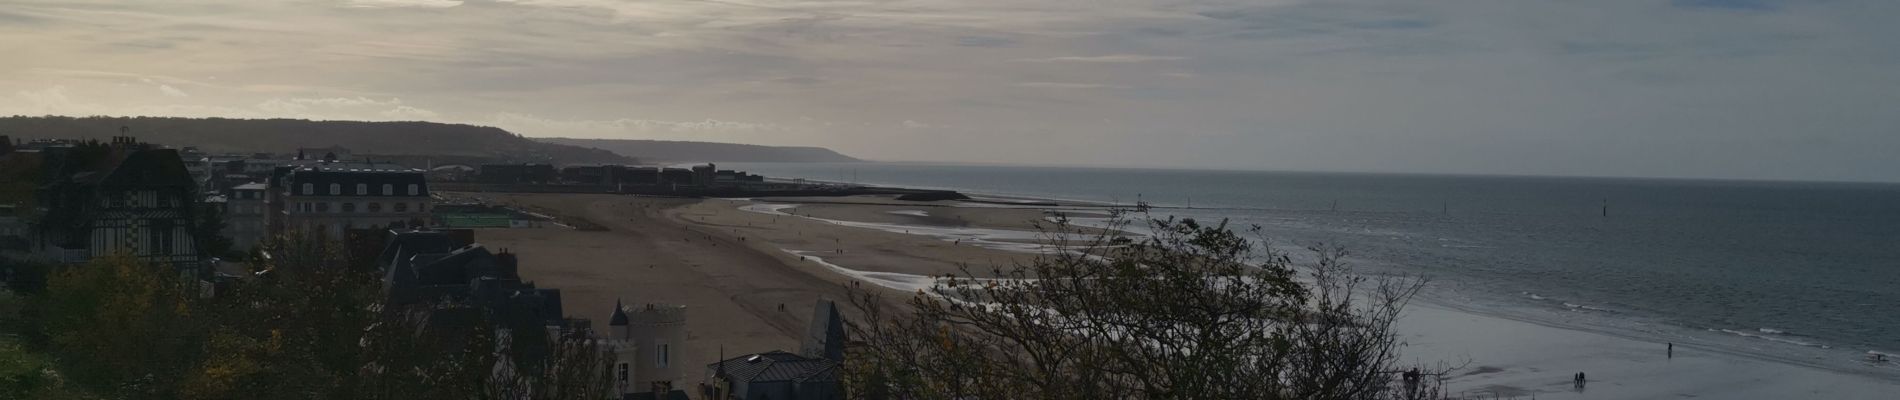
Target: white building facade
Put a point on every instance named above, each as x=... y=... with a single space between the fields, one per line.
x=647 y=342
x=244 y=213
x=328 y=199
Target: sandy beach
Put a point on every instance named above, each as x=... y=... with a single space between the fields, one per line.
x=733 y=262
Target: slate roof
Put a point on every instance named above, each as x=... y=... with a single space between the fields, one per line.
x=620 y=315
x=673 y=395
x=777 y=366
x=321 y=175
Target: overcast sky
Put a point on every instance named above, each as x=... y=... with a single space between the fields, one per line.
x=1758 y=89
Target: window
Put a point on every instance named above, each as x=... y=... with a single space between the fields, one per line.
x=362 y=189
x=161 y=237
x=375 y=207
x=402 y=207
x=662 y=356
x=415 y=190
x=349 y=207
x=623 y=372
x=336 y=189
x=323 y=207
x=389 y=190
x=309 y=189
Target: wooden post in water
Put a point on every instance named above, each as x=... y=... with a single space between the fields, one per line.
x=1606 y=207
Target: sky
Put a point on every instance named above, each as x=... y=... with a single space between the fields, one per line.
x=1747 y=89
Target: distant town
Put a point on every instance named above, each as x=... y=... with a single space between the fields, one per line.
x=72 y=201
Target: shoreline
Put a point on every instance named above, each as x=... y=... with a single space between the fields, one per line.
x=1625 y=342
x=1760 y=343
x=1510 y=354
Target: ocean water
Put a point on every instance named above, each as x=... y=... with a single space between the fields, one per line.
x=1800 y=272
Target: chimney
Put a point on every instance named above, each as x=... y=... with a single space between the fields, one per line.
x=508 y=263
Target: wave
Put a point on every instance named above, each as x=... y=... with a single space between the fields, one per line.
x=1583 y=307
x=1772 y=335
x=913 y=213
x=1568 y=305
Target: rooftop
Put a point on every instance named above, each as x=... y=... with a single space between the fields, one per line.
x=777 y=366
x=357 y=167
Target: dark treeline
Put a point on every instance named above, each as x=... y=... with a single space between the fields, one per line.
x=286 y=135
x=667 y=150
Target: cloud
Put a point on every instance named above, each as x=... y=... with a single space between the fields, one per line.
x=1068 y=85
x=1117 y=58
x=403 y=3
x=534 y=125
x=1616 y=87
x=51 y=100
x=168 y=90
x=410 y=113
x=1747 y=5
x=301 y=105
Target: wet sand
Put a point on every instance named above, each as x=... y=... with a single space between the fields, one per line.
x=730 y=267
x=733 y=261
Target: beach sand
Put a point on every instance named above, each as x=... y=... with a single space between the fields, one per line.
x=732 y=262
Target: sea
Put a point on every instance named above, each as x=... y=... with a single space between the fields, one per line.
x=1800 y=272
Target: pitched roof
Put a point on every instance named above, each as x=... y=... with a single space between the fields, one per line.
x=620 y=315
x=778 y=366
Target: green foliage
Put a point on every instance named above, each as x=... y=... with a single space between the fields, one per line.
x=25 y=374
x=121 y=324
x=308 y=327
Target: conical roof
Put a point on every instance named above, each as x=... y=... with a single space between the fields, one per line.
x=620 y=315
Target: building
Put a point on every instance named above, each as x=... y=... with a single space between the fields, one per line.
x=539 y=174
x=124 y=197
x=646 y=341
x=244 y=212
x=452 y=287
x=590 y=174
x=332 y=153
x=778 y=375
x=483 y=216
x=330 y=198
x=703 y=174
x=775 y=375
x=13 y=231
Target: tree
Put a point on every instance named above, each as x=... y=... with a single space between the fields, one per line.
x=306 y=326
x=208 y=231
x=1190 y=311
x=121 y=326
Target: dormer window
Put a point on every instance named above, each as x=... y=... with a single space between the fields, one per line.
x=362 y=189
x=415 y=190
x=309 y=189
x=389 y=190
x=336 y=189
